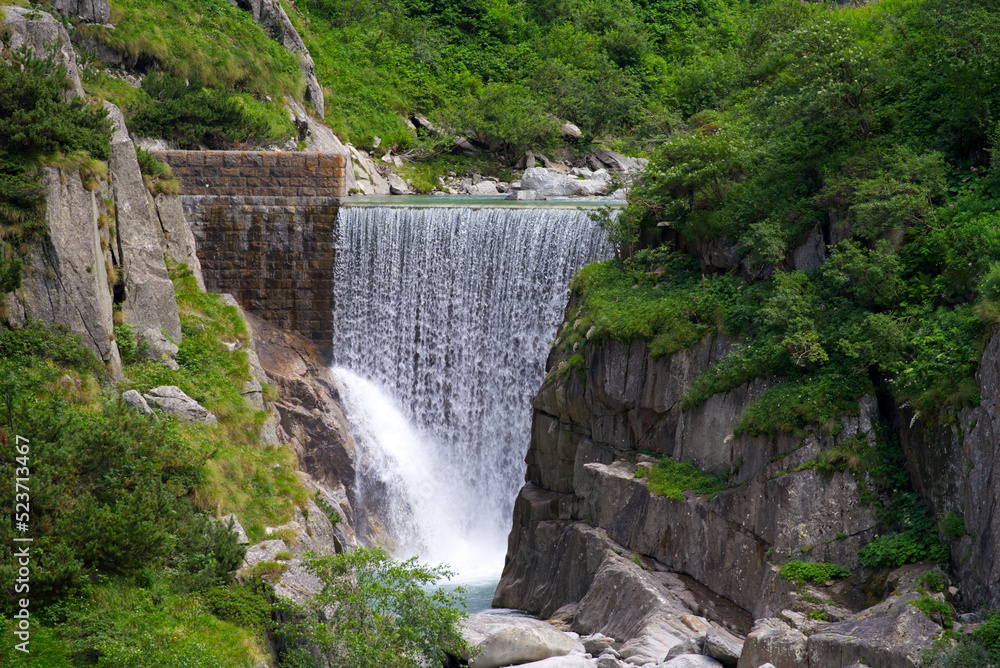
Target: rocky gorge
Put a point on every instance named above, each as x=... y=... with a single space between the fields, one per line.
x=613 y=572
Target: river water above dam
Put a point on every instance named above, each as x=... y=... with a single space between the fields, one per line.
x=443 y=319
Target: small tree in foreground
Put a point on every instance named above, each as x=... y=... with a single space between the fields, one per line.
x=382 y=614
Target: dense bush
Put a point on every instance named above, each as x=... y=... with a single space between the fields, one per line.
x=383 y=612
x=193 y=114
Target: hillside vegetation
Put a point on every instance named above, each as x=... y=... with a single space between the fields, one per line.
x=832 y=201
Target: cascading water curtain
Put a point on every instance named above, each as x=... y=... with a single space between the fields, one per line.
x=449 y=312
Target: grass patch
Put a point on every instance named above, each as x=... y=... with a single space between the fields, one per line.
x=818 y=399
x=801 y=572
x=671 y=479
x=207 y=40
x=133 y=627
x=672 y=310
x=930 y=606
x=260 y=484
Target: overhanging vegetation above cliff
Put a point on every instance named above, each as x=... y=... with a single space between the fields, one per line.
x=840 y=195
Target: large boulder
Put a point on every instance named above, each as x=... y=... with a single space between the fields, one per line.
x=368 y=179
x=550 y=182
x=171 y=399
x=526 y=196
x=498 y=640
x=691 y=661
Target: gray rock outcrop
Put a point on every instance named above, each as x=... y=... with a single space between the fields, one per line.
x=150 y=302
x=171 y=399
x=891 y=634
x=234 y=525
x=310 y=418
x=952 y=460
x=65 y=277
x=88 y=11
x=41 y=33
x=367 y=177
x=178 y=239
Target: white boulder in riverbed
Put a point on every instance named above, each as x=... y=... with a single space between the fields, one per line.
x=501 y=640
x=552 y=183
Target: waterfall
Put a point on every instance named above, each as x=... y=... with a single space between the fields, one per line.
x=443 y=318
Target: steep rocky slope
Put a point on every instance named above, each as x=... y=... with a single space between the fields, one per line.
x=595 y=428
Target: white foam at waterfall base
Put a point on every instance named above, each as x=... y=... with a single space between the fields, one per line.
x=447 y=314
x=404 y=485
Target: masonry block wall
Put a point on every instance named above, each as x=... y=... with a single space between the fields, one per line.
x=265 y=227
x=262 y=173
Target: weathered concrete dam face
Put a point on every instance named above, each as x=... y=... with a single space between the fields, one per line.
x=264 y=223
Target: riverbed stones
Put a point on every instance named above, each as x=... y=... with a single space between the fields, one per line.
x=526 y=196
x=550 y=182
x=691 y=661
x=499 y=640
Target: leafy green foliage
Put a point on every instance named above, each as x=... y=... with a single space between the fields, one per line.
x=915 y=537
x=933 y=581
x=383 y=613
x=953 y=526
x=110 y=494
x=131 y=349
x=50 y=341
x=505 y=118
x=671 y=479
x=801 y=572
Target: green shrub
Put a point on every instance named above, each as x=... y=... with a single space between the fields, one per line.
x=384 y=613
x=802 y=572
x=930 y=606
x=671 y=479
x=933 y=581
x=246 y=605
x=988 y=636
x=131 y=349
x=905 y=547
x=192 y=114
x=504 y=117
x=953 y=526
x=50 y=341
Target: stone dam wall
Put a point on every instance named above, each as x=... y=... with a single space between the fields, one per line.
x=264 y=223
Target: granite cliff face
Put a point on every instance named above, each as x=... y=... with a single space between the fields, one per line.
x=582 y=502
